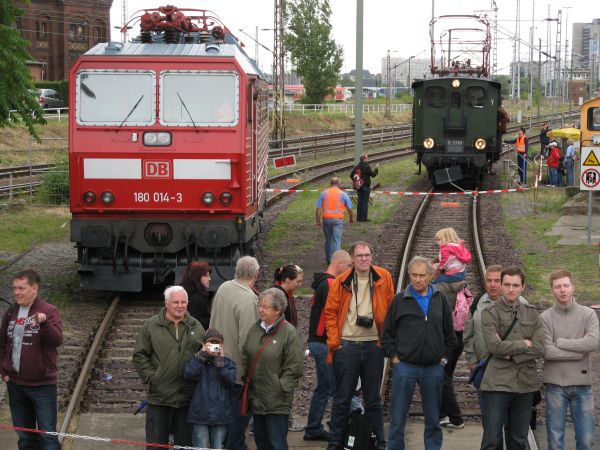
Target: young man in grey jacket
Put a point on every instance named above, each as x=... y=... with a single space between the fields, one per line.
x=571 y=335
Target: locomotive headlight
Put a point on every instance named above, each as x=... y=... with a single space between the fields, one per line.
x=428 y=143
x=208 y=198
x=89 y=197
x=157 y=139
x=455 y=84
x=480 y=144
x=226 y=198
x=107 y=197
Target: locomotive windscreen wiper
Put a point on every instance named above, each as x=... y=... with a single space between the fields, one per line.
x=186 y=110
x=132 y=110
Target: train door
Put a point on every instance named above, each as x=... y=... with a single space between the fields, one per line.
x=251 y=125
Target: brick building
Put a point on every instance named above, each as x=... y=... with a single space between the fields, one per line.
x=61 y=30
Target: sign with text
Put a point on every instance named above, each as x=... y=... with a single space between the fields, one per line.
x=284 y=161
x=590 y=169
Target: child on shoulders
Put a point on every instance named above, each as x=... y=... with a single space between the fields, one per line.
x=453 y=257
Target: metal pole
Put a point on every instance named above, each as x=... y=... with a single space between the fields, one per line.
x=539 y=77
x=358 y=97
x=388 y=100
x=30 y=170
x=590 y=199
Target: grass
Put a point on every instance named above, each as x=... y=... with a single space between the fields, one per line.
x=20 y=230
x=529 y=221
x=300 y=213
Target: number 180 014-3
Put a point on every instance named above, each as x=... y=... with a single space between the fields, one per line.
x=157 y=197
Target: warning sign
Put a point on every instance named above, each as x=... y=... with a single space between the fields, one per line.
x=590 y=169
x=591 y=160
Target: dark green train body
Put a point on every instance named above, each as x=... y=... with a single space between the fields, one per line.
x=454 y=127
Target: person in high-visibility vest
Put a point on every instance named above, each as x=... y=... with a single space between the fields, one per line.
x=330 y=208
x=521 y=144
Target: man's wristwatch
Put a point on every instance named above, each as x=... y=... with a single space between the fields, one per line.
x=444 y=361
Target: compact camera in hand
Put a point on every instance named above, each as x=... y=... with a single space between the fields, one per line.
x=214 y=348
x=364 y=321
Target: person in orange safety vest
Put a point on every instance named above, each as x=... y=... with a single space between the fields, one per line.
x=521 y=144
x=330 y=208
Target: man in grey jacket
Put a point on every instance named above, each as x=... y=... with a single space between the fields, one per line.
x=571 y=335
x=510 y=379
x=234 y=311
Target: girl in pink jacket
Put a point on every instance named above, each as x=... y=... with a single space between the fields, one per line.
x=453 y=257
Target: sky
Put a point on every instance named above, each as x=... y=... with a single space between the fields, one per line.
x=401 y=26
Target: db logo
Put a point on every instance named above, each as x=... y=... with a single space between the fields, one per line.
x=157 y=169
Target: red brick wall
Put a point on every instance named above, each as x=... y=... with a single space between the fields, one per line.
x=59 y=31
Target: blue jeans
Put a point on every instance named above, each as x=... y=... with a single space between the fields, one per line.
x=506 y=409
x=443 y=278
x=570 y=168
x=34 y=407
x=362 y=208
x=209 y=436
x=324 y=390
x=522 y=165
x=354 y=360
x=580 y=399
x=236 y=430
x=270 y=431
x=553 y=174
x=431 y=381
x=333 y=236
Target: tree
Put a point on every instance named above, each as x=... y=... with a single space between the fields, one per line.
x=16 y=81
x=315 y=55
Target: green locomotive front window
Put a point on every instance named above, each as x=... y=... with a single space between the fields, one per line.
x=435 y=96
x=113 y=97
x=476 y=96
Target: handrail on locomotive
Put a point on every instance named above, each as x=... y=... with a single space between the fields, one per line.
x=460 y=54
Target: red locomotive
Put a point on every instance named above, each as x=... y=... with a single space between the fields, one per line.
x=168 y=152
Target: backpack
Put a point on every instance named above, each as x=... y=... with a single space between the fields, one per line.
x=464 y=298
x=359 y=433
x=357 y=179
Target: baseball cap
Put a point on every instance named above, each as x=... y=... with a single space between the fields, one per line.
x=213 y=335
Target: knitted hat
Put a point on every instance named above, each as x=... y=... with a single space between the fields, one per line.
x=213 y=335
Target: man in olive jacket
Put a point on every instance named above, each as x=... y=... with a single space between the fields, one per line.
x=510 y=379
x=166 y=342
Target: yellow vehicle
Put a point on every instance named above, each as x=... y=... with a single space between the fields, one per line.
x=590 y=123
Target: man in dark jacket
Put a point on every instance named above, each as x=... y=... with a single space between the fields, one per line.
x=361 y=179
x=418 y=335
x=317 y=345
x=30 y=335
x=166 y=342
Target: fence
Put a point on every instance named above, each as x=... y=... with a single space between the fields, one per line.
x=344 y=108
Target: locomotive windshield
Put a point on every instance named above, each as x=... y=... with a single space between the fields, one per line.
x=199 y=98
x=476 y=96
x=115 y=98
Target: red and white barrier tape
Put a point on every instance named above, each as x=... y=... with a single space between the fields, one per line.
x=100 y=439
x=488 y=191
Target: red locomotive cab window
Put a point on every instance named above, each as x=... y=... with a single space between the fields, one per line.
x=593 y=119
x=115 y=98
x=208 y=98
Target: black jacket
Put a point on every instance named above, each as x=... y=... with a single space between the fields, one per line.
x=366 y=172
x=415 y=338
x=316 y=326
x=199 y=305
x=291 y=312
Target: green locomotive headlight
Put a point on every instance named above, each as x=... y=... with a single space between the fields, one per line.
x=480 y=144
x=428 y=143
x=455 y=83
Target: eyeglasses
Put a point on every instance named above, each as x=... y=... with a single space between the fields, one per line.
x=363 y=256
x=261 y=306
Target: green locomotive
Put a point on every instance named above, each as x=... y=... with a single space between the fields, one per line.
x=455 y=113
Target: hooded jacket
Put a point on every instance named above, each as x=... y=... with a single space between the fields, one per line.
x=159 y=358
x=414 y=337
x=454 y=258
x=317 y=322
x=366 y=173
x=338 y=304
x=39 y=352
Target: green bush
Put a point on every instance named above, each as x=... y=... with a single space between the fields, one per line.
x=55 y=186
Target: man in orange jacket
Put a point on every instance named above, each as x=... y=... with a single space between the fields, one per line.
x=330 y=207
x=356 y=307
